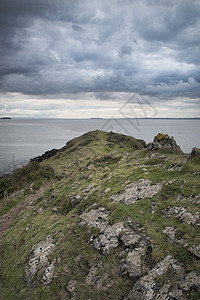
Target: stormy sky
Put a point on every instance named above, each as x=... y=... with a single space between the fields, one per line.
x=92 y=58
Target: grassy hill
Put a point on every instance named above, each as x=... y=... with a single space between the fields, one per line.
x=101 y=218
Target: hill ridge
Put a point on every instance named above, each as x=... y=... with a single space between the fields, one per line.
x=109 y=219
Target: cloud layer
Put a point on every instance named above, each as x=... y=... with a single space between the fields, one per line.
x=58 y=48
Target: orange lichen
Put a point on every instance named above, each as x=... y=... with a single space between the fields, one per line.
x=160 y=137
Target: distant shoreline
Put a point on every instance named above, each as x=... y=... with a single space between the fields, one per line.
x=111 y=118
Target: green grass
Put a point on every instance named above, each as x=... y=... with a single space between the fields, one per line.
x=105 y=161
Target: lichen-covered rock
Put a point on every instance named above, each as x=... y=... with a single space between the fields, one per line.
x=154 y=285
x=137 y=190
x=154 y=146
x=109 y=239
x=133 y=263
x=164 y=141
x=95 y=218
x=194 y=155
x=189 y=218
x=195 y=250
x=195 y=200
x=184 y=216
x=174 y=210
x=48 y=274
x=134 y=245
x=39 y=262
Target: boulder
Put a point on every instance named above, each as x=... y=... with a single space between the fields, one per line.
x=164 y=141
x=194 y=155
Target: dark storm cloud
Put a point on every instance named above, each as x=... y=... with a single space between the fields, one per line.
x=52 y=47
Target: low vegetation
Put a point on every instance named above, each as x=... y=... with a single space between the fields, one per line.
x=85 y=176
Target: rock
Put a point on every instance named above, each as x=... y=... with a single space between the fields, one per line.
x=175 y=167
x=144 y=288
x=195 y=250
x=48 y=274
x=163 y=141
x=194 y=155
x=195 y=199
x=130 y=238
x=55 y=209
x=174 y=210
x=91 y=189
x=151 y=286
x=135 y=246
x=154 y=146
x=109 y=239
x=39 y=262
x=189 y=218
x=95 y=218
x=137 y=190
x=190 y=280
x=133 y=263
x=183 y=215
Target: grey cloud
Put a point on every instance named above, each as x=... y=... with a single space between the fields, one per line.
x=52 y=47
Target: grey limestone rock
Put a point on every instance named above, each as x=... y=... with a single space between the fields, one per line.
x=149 y=287
x=109 y=239
x=137 y=190
x=95 y=218
x=184 y=216
x=195 y=250
x=134 y=245
x=39 y=261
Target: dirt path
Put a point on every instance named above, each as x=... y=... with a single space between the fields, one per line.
x=7 y=219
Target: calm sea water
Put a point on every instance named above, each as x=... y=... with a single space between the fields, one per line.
x=22 y=139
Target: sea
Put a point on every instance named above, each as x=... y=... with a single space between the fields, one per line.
x=23 y=139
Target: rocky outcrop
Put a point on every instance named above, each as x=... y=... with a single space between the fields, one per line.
x=137 y=190
x=194 y=155
x=166 y=280
x=156 y=285
x=109 y=238
x=135 y=247
x=39 y=263
x=164 y=141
